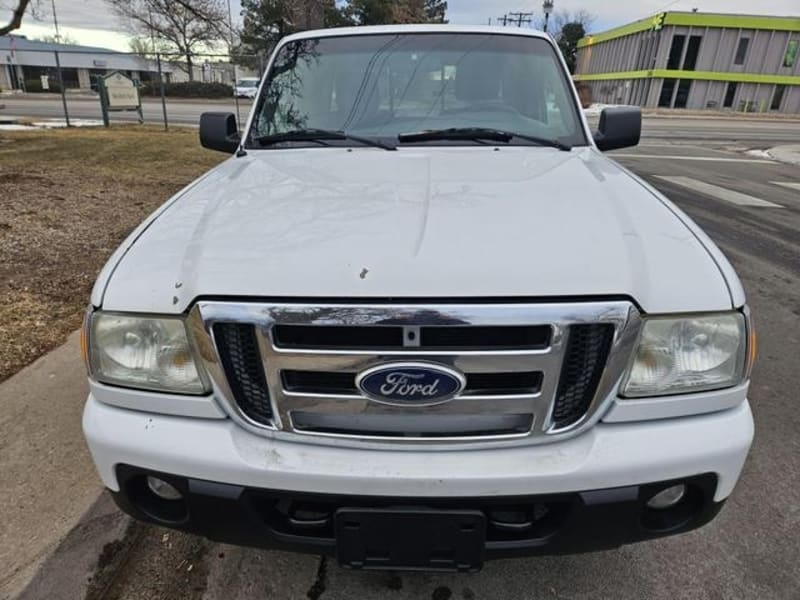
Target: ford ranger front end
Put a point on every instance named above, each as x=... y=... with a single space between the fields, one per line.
x=419 y=320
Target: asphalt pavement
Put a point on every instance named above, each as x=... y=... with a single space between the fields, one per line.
x=751 y=208
x=742 y=128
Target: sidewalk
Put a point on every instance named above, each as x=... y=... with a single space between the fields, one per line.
x=787 y=154
x=718 y=114
x=669 y=113
x=48 y=478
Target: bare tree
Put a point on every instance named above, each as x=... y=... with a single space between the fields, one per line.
x=148 y=47
x=64 y=38
x=185 y=26
x=17 y=12
x=563 y=17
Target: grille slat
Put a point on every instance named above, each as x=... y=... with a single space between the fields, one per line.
x=416 y=426
x=241 y=360
x=391 y=337
x=488 y=384
x=584 y=361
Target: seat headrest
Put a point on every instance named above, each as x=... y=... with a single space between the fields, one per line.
x=477 y=78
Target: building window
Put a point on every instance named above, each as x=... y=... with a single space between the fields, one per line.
x=667 y=88
x=676 y=51
x=682 y=97
x=730 y=94
x=741 y=51
x=791 y=54
x=692 y=50
x=777 y=97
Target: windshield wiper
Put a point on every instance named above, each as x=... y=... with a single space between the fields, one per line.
x=319 y=135
x=478 y=133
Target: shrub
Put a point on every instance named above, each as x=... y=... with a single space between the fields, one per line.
x=34 y=86
x=188 y=89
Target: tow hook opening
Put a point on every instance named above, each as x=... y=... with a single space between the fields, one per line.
x=160 y=497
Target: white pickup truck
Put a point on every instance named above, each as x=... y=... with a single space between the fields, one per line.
x=418 y=320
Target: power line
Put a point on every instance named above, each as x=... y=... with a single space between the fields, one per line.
x=516 y=18
x=521 y=18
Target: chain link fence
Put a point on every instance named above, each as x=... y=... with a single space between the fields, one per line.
x=173 y=88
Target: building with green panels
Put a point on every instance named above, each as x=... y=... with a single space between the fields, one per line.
x=696 y=61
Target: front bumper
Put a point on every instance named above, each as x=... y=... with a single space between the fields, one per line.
x=594 y=486
x=558 y=523
x=608 y=455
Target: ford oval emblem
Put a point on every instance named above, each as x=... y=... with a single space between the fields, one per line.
x=404 y=384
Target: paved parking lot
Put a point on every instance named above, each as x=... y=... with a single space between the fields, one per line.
x=751 y=207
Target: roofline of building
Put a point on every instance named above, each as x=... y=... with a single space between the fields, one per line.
x=6 y=43
x=691 y=19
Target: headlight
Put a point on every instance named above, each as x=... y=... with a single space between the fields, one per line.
x=689 y=354
x=143 y=352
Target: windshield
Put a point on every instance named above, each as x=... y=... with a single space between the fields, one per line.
x=382 y=86
x=248 y=83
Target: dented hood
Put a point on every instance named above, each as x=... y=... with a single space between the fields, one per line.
x=417 y=223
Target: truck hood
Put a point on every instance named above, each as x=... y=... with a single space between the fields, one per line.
x=446 y=222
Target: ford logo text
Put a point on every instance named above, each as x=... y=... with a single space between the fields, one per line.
x=411 y=383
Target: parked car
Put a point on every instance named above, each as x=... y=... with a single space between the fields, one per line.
x=419 y=320
x=246 y=87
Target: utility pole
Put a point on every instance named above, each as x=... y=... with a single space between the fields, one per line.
x=55 y=22
x=235 y=75
x=547 y=8
x=520 y=18
x=504 y=20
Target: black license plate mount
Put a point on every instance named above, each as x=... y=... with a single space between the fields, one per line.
x=410 y=539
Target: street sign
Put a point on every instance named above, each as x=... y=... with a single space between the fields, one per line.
x=119 y=92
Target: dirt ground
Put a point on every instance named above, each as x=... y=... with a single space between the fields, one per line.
x=67 y=199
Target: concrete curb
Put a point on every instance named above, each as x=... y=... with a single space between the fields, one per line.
x=48 y=477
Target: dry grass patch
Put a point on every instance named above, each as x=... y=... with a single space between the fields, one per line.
x=67 y=199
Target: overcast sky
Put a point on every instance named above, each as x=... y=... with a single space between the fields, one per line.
x=91 y=22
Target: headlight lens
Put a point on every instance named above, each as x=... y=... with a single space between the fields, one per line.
x=143 y=352
x=689 y=354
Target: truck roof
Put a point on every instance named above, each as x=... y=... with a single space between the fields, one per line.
x=397 y=29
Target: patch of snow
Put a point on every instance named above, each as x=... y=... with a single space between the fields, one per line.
x=55 y=123
x=760 y=154
x=595 y=109
x=16 y=127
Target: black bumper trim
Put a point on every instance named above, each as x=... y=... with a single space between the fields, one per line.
x=561 y=523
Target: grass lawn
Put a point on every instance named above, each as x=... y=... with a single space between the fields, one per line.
x=67 y=199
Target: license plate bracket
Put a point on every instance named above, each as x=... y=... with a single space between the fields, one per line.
x=410 y=539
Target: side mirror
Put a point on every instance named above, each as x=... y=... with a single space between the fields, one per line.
x=620 y=127
x=218 y=131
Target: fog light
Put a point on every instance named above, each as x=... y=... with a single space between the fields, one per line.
x=162 y=489
x=668 y=497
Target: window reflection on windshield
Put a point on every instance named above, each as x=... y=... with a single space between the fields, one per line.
x=384 y=85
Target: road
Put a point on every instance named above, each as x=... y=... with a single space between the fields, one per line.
x=179 y=112
x=755 y=132
x=751 y=551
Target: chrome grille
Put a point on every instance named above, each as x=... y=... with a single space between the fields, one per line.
x=542 y=371
x=584 y=361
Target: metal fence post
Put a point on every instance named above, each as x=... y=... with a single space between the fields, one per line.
x=163 y=91
x=61 y=85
